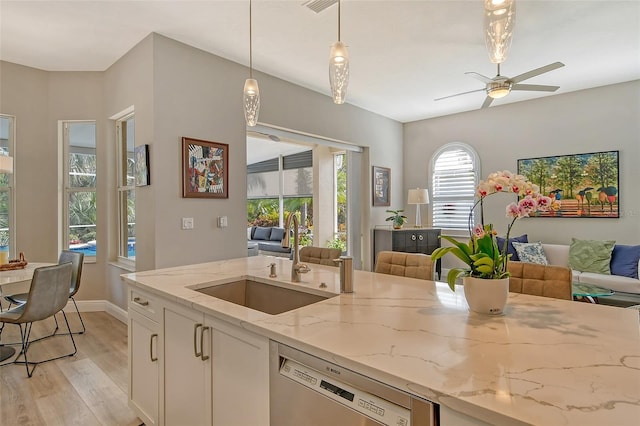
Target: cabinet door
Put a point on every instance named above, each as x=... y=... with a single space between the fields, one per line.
x=144 y=347
x=399 y=240
x=187 y=373
x=240 y=376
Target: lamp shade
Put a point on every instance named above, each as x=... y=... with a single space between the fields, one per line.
x=6 y=164
x=418 y=196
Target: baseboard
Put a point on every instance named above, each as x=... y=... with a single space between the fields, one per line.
x=98 y=306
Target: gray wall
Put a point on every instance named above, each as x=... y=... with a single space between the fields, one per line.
x=38 y=99
x=176 y=91
x=599 y=119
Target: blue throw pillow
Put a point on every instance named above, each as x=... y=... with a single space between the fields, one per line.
x=262 y=233
x=624 y=260
x=277 y=234
x=510 y=248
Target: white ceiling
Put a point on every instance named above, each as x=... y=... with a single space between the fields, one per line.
x=404 y=54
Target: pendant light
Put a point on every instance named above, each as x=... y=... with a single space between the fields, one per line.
x=499 y=21
x=339 y=68
x=251 y=96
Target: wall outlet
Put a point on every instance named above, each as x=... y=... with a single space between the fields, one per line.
x=222 y=222
x=187 y=223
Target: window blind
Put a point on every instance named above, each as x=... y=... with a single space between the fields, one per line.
x=453 y=188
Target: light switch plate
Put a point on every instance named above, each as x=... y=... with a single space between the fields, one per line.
x=187 y=223
x=222 y=222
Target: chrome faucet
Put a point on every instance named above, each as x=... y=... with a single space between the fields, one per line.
x=296 y=267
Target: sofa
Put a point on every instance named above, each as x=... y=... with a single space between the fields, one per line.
x=601 y=263
x=558 y=254
x=266 y=240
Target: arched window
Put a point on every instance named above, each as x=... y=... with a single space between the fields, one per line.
x=455 y=170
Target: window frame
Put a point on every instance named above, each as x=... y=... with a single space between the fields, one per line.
x=438 y=198
x=123 y=187
x=66 y=184
x=10 y=187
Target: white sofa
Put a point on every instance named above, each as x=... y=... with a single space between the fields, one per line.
x=558 y=254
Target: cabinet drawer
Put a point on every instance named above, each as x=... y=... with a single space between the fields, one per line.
x=144 y=304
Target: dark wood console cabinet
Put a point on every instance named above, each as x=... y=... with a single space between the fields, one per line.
x=416 y=240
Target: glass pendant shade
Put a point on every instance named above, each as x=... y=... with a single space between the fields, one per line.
x=251 y=101
x=339 y=71
x=499 y=21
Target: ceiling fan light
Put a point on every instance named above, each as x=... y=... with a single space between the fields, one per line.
x=498 y=93
x=499 y=22
x=251 y=100
x=339 y=71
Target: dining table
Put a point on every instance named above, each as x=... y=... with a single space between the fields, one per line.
x=16 y=281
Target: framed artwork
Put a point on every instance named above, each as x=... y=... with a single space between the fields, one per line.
x=205 y=167
x=141 y=166
x=381 y=186
x=580 y=185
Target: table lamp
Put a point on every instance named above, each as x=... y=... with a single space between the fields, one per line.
x=418 y=196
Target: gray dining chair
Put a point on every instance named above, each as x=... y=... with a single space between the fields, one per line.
x=77 y=260
x=47 y=296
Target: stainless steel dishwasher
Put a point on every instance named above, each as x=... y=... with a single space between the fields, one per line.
x=306 y=390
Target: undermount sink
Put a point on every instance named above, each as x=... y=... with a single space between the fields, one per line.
x=262 y=297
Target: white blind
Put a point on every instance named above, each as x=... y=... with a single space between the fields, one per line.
x=453 y=188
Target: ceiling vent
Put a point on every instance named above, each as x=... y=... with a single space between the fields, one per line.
x=319 y=5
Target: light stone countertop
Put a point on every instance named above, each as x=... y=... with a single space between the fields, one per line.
x=544 y=362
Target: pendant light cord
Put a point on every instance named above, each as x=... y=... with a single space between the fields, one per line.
x=250 y=44
x=338 y=20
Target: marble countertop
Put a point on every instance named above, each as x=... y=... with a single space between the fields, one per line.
x=545 y=361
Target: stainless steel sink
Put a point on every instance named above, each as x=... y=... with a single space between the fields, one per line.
x=267 y=298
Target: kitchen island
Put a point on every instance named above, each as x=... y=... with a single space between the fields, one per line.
x=545 y=361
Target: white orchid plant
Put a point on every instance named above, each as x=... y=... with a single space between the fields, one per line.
x=483 y=257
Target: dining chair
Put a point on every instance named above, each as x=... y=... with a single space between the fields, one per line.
x=47 y=296
x=66 y=256
x=540 y=280
x=412 y=265
x=319 y=255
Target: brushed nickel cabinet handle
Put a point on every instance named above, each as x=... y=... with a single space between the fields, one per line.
x=139 y=301
x=202 y=355
x=421 y=237
x=153 y=336
x=413 y=237
x=195 y=340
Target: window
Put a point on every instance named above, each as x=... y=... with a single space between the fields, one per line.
x=455 y=169
x=6 y=186
x=125 y=128
x=278 y=186
x=79 y=142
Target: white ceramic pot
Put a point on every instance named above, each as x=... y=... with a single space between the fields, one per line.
x=486 y=296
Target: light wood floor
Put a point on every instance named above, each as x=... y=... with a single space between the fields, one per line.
x=89 y=388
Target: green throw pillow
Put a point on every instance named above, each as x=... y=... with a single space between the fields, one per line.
x=591 y=256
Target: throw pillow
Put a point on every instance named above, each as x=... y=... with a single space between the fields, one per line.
x=624 y=260
x=277 y=234
x=510 y=248
x=531 y=252
x=262 y=233
x=591 y=256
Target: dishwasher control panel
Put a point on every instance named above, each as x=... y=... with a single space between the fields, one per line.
x=365 y=403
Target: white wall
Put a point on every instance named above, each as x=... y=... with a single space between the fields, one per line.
x=600 y=119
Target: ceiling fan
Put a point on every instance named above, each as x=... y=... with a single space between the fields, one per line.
x=500 y=85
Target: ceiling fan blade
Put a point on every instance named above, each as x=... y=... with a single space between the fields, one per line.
x=487 y=102
x=537 y=71
x=535 y=87
x=458 y=94
x=480 y=77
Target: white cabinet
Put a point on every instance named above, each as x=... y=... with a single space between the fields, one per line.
x=144 y=359
x=187 y=373
x=240 y=376
x=187 y=368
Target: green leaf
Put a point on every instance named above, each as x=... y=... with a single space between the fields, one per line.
x=453 y=275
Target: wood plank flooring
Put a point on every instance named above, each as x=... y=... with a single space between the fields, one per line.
x=89 y=388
